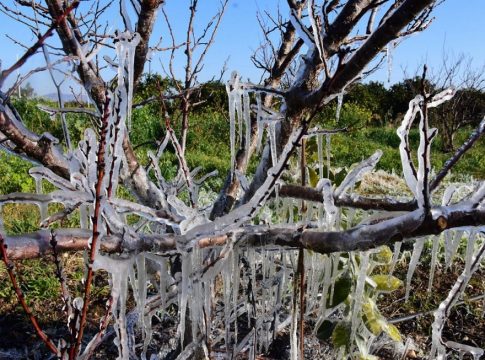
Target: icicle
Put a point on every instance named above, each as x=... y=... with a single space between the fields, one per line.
x=335 y=257
x=235 y=288
x=320 y=155
x=240 y=115
x=325 y=186
x=452 y=246
x=141 y=298
x=247 y=121
x=448 y=242
x=389 y=58
x=125 y=49
x=272 y=142
x=418 y=248
x=327 y=150
x=395 y=256
x=232 y=115
x=42 y=205
x=434 y=256
x=119 y=270
x=470 y=249
x=340 y=100
x=327 y=276
x=259 y=116
x=227 y=275
x=358 y=293
x=184 y=296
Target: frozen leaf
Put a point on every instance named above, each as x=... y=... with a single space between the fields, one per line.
x=341 y=334
x=383 y=256
x=342 y=288
x=386 y=283
x=393 y=332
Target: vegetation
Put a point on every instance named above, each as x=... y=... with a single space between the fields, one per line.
x=281 y=239
x=363 y=112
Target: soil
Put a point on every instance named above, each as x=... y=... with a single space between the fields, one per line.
x=466 y=323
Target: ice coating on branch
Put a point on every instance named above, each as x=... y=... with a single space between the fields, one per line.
x=325 y=186
x=438 y=349
x=316 y=33
x=404 y=149
x=340 y=101
x=301 y=30
x=357 y=172
x=426 y=136
x=417 y=250
x=415 y=178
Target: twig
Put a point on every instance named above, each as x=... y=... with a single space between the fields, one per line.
x=40 y=41
x=66 y=296
x=96 y=223
x=474 y=136
x=422 y=313
x=20 y=296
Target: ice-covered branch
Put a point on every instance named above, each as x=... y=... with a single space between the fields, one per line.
x=417 y=179
x=59 y=19
x=472 y=139
x=54 y=111
x=362 y=237
x=352 y=200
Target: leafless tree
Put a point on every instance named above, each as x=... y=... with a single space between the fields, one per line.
x=330 y=44
x=467 y=105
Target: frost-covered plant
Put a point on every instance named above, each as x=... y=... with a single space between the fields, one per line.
x=265 y=255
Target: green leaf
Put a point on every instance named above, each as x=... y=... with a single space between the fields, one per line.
x=313 y=177
x=341 y=291
x=372 y=318
x=393 y=332
x=384 y=256
x=341 y=334
x=387 y=283
x=325 y=330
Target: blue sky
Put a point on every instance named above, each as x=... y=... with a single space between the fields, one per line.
x=457 y=29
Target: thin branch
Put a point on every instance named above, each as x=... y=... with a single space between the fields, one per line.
x=74 y=350
x=40 y=41
x=20 y=296
x=474 y=136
